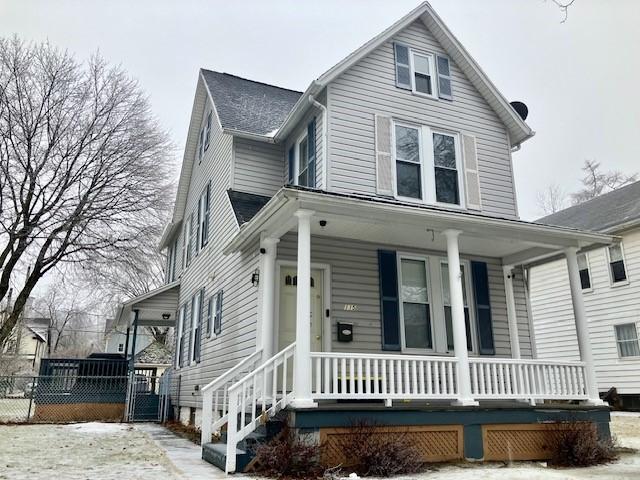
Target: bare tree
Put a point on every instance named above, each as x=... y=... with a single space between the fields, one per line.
x=73 y=330
x=83 y=164
x=595 y=182
x=552 y=199
x=564 y=5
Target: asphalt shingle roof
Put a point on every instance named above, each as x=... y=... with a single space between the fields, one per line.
x=246 y=205
x=601 y=213
x=249 y=106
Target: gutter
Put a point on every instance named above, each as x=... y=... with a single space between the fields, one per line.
x=325 y=121
x=249 y=136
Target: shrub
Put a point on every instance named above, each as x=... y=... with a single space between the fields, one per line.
x=286 y=455
x=576 y=444
x=380 y=454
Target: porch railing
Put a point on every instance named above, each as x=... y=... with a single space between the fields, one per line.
x=382 y=376
x=215 y=396
x=505 y=378
x=258 y=396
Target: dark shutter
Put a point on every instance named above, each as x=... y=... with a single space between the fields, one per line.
x=389 y=302
x=403 y=70
x=218 y=318
x=444 y=77
x=198 y=338
x=311 y=154
x=292 y=170
x=205 y=221
x=209 y=315
x=188 y=316
x=483 y=307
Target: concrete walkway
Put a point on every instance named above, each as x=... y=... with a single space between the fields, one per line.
x=185 y=455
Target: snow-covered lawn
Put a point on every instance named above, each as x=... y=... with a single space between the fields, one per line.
x=82 y=451
x=110 y=451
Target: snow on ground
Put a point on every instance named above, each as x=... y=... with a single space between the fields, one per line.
x=112 y=451
x=89 y=451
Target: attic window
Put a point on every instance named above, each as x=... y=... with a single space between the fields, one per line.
x=423 y=73
x=422 y=80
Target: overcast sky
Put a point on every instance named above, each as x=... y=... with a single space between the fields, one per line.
x=579 y=78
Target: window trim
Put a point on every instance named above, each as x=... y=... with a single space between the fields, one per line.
x=432 y=72
x=624 y=262
x=427 y=265
x=427 y=165
x=204 y=211
x=615 y=336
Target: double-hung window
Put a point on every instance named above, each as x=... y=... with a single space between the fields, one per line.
x=446 y=169
x=408 y=162
x=186 y=258
x=446 y=301
x=627 y=340
x=617 y=269
x=203 y=216
x=303 y=162
x=171 y=262
x=428 y=165
x=196 y=324
x=415 y=308
x=583 y=269
x=423 y=74
x=180 y=337
x=214 y=314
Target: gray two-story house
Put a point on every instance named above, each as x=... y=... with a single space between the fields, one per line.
x=355 y=250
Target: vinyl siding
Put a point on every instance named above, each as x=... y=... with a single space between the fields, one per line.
x=257 y=167
x=368 y=88
x=354 y=280
x=212 y=271
x=606 y=306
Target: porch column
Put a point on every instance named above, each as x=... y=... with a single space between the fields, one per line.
x=582 y=327
x=302 y=368
x=507 y=271
x=268 y=250
x=457 y=319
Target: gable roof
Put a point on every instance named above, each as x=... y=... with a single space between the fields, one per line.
x=249 y=106
x=246 y=205
x=615 y=209
x=519 y=131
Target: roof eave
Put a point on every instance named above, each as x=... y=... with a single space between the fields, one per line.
x=248 y=135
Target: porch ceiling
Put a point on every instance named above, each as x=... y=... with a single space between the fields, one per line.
x=155 y=309
x=388 y=222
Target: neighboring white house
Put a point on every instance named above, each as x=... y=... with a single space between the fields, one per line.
x=610 y=279
x=361 y=241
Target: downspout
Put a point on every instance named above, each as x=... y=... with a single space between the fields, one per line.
x=325 y=121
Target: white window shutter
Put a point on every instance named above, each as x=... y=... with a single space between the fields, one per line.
x=384 y=160
x=471 y=175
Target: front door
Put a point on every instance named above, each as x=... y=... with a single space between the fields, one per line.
x=287 y=326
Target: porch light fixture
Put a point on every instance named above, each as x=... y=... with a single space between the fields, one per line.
x=166 y=316
x=255 y=278
x=323 y=223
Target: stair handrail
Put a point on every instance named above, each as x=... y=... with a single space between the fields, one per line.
x=213 y=387
x=249 y=381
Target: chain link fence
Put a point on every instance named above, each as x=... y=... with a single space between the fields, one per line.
x=61 y=399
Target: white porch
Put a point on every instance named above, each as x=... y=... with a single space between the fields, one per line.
x=299 y=377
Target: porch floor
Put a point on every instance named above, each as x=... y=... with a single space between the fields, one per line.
x=445 y=405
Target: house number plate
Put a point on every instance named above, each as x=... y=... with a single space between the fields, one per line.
x=350 y=307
